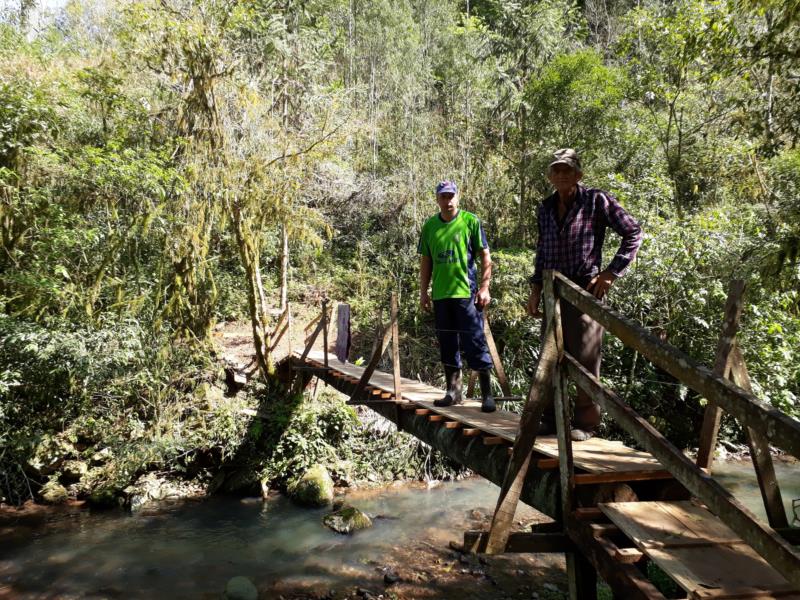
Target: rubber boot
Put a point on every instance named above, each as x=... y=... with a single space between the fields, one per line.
x=452 y=396
x=487 y=399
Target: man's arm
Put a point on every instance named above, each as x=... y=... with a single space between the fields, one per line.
x=631 y=233
x=483 y=297
x=425 y=271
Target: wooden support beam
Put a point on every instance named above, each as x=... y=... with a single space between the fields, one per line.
x=408 y=406
x=453 y=425
x=773 y=548
x=538 y=399
x=727 y=340
x=541 y=464
x=743 y=593
x=779 y=428
x=277 y=335
x=310 y=342
x=565 y=464
x=312 y=323
x=398 y=386
x=625 y=580
x=588 y=514
x=759 y=453
x=493 y=440
x=603 y=529
x=311 y=369
x=582 y=577
x=471 y=432
x=498 y=364
x=620 y=477
x=380 y=348
x=423 y=411
x=518 y=541
x=628 y=555
x=436 y=418
x=547 y=464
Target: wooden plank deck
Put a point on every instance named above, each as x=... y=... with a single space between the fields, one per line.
x=594 y=456
x=702 y=554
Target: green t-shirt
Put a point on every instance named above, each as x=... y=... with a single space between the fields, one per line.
x=452 y=247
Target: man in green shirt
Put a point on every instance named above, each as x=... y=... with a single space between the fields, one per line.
x=448 y=245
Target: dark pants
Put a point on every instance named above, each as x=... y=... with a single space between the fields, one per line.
x=583 y=340
x=459 y=327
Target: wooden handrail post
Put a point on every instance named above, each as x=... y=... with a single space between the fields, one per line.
x=325 y=331
x=498 y=365
x=398 y=388
x=538 y=399
x=727 y=339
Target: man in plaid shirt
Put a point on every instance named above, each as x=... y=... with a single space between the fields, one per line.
x=572 y=229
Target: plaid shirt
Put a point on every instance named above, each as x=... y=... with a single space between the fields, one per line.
x=575 y=247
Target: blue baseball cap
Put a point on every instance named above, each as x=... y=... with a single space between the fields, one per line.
x=446 y=187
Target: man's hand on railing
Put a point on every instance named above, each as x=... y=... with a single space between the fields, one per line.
x=534 y=300
x=600 y=285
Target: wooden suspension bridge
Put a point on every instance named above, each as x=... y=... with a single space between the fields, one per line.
x=614 y=507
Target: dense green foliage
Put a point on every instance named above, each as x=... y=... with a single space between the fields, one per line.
x=155 y=154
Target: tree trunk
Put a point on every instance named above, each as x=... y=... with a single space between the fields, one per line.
x=284 y=266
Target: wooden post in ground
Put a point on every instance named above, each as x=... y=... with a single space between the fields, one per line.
x=759 y=453
x=343 y=332
x=538 y=397
x=398 y=388
x=727 y=339
x=325 y=331
x=471 y=384
x=498 y=365
x=563 y=426
x=730 y=364
x=289 y=329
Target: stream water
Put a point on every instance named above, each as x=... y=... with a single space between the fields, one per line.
x=191 y=549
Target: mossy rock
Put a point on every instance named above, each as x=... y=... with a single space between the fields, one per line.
x=314 y=488
x=240 y=588
x=53 y=492
x=347 y=520
x=104 y=497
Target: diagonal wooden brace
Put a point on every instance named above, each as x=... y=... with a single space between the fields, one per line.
x=539 y=398
x=380 y=348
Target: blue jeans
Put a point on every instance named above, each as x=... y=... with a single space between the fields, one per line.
x=459 y=327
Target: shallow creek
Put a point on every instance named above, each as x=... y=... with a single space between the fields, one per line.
x=190 y=549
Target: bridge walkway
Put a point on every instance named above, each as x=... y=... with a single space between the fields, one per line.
x=697 y=550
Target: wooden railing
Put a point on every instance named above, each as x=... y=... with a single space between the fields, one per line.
x=763 y=422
